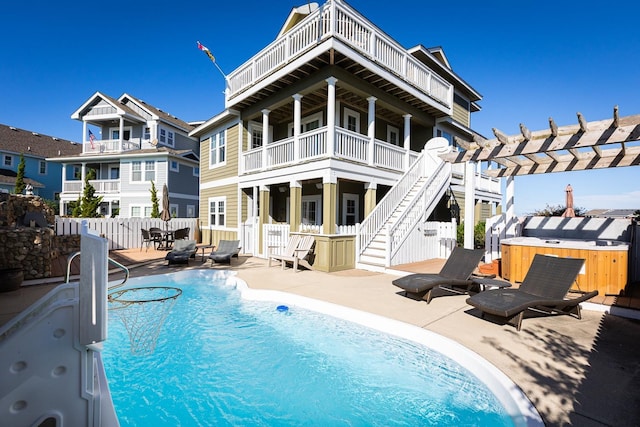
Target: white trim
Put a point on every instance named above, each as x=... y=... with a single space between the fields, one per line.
x=345 y=198
x=209 y=213
x=217 y=136
x=219 y=183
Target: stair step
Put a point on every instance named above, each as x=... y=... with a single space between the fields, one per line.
x=372 y=260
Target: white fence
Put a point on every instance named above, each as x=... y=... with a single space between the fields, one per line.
x=123 y=233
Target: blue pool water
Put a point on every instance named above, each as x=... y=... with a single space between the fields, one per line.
x=224 y=360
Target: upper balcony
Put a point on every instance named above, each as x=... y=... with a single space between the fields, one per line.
x=335 y=21
x=114 y=146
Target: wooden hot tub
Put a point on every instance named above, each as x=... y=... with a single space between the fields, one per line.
x=605 y=268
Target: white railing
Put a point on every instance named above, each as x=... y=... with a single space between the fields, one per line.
x=374 y=222
x=313 y=145
x=123 y=233
x=351 y=145
x=340 y=21
x=101 y=186
x=422 y=204
x=111 y=146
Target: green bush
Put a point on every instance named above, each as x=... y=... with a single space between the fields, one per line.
x=478 y=234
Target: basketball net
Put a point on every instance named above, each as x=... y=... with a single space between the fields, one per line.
x=143 y=311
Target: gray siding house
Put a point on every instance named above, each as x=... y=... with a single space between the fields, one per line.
x=37 y=149
x=126 y=145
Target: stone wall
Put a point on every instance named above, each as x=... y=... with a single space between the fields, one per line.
x=31 y=248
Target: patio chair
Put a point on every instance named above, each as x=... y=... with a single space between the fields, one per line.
x=544 y=289
x=182 y=250
x=289 y=250
x=225 y=250
x=300 y=256
x=455 y=276
x=146 y=239
x=181 y=233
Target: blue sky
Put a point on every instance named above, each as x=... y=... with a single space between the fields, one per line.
x=529 y=60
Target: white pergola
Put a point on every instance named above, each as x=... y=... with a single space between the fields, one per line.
x=601 y=144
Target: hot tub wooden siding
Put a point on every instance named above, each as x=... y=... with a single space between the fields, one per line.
x=605 y=268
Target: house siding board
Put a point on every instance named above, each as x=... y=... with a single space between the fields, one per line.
x=231 y=214
x=461 y=115
x=183 y=181
x=230 y=168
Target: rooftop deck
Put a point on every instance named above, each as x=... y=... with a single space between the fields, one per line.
x=575 y=372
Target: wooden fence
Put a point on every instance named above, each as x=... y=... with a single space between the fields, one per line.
x=125 y=233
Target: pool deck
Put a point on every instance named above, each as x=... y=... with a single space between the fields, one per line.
x=575 y=372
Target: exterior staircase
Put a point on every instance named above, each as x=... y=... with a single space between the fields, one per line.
x=409 y=203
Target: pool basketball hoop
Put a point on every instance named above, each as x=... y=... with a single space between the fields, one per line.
x=143 y=311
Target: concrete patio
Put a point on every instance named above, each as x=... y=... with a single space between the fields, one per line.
x=576 y=372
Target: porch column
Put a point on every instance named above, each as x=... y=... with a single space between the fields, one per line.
x=265 y=136
x=263 y=218
x=83 y=176
x=240 y=147
x=511 y=220
x=371 y=130
x=64 y=181
x=297 y=113
x=370 y=197
x=295 y=205
x=121 y=130
x=331 y=115
x=469 y=200
x=407 y=141
x=329 y=216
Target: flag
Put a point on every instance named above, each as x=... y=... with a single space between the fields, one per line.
x=207 y=51
x=91 y=138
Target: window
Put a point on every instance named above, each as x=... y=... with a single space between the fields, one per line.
x=174 y=166
x=350 y=209
x=173 y=210
x=170 y=138
x=140 y=211
x=217 y=147
x=163 y=136
x=311 y=207
x=217 y=206
x=351 y=120
x=166 y=137
x=191 y=211
x=114 y=172
x=8 y=160
x=256 y=138
x=77 y=172
x=42 y=167
x=393 y=135
x=196 y=171
x=146 y=132
x=308 y=123
x=115 y=133
x=149 y=171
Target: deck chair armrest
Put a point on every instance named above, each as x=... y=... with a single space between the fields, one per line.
x=574 y=301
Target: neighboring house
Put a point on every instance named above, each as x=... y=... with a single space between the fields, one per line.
x=324 y=122
x=128 y=144
x=612 y=213
x=42 y=174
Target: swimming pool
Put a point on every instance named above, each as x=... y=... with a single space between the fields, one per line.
x=227 y=356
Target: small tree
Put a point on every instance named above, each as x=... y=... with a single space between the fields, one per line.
x=76 y=208
x=557 y=210
x=478 y=234
x=90 y=203
x=155 y=209
x=20 y=185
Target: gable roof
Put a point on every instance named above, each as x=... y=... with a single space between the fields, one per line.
x=35 y=144
x=8 y=177
x=122 y=108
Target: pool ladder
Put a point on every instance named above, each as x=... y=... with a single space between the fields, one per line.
x=72 y=256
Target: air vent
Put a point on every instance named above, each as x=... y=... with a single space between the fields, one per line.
x=12 y=128
x=35 y=133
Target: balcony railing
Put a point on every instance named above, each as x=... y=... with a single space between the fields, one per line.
x=102 y=186
x=312 y=145
x=104 y=146
x=340 y=21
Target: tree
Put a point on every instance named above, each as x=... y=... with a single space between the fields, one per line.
x=478 y=234
x=20 y=185
x=76 y=208
x=155 y=209
x=90 y=203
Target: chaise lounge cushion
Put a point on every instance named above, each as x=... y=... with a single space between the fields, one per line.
x=181 y=252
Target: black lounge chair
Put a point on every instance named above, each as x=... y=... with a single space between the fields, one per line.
x=224 y=251
x=544 y=288
x=182 y=250
x=455 y=276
